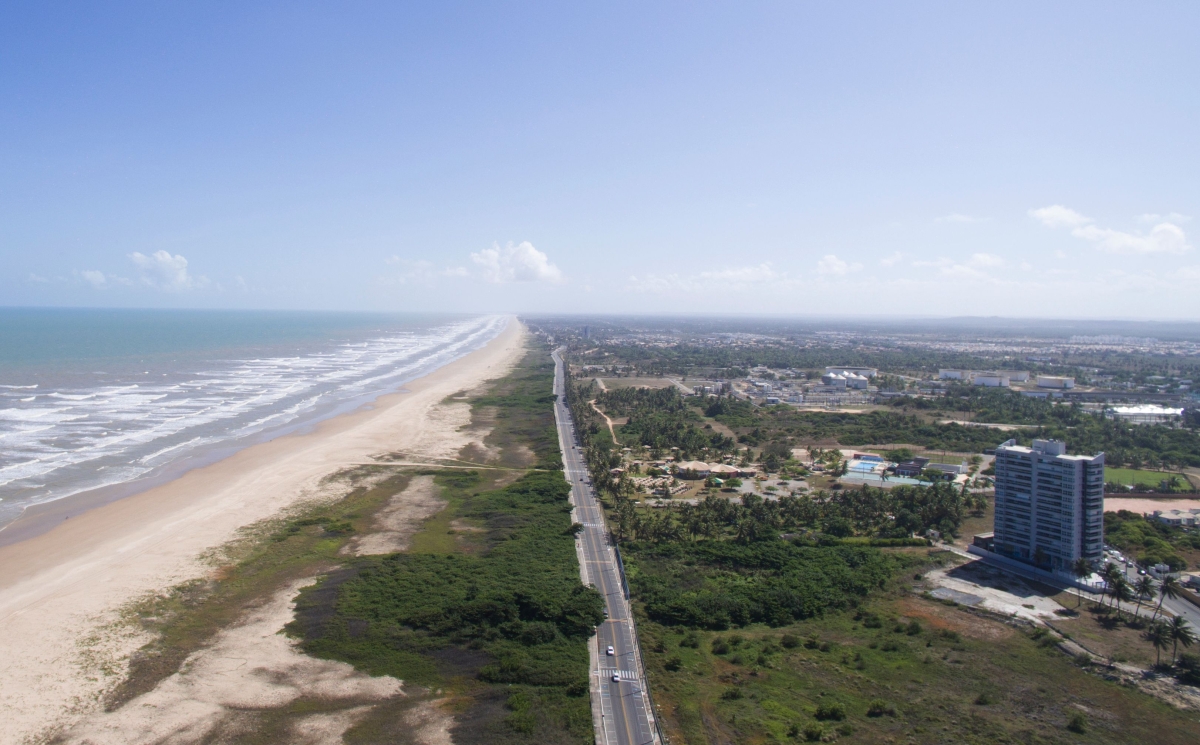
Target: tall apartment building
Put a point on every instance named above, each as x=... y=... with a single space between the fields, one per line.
x=1049 y=505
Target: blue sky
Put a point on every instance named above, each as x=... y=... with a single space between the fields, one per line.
x=1021 y=159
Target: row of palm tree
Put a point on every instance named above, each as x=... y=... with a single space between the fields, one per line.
x=1173 y=633
x=1160 y=633
x=1119 y=589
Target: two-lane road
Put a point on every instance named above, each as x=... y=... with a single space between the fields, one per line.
x=625 y=715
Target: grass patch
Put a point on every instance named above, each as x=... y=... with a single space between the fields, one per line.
x=496 y=618
x=514 y=616
x=1133 y=477
x=273 y=555
x=959 y=678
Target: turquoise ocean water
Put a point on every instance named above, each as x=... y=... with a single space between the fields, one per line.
x=98 y=398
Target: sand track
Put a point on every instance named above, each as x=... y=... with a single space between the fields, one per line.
x=249 y=667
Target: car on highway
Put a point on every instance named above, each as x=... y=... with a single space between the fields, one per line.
x=610 y=651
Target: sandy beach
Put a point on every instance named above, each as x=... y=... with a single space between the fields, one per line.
x=64 y=643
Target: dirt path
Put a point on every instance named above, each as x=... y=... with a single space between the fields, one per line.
x=399 y=519
x=606 y=420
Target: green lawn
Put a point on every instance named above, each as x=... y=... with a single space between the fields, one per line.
x=1130 y=477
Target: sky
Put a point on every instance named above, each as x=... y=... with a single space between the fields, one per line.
x=786 y=158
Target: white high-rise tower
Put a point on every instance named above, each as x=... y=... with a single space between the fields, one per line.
x=1049 y=505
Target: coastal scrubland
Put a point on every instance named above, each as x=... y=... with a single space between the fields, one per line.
x=476 y=629
x=795 y=619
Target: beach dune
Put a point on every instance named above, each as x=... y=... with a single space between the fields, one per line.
x=64 y=644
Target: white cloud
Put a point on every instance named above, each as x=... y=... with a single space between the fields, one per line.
x=731 y=278
x=94 y=278
x=986 y=260
x=519 y=263
x=956 y=217
x=831 y=265
x=1163 y=238
x=418 y=271
x=976 y=267
x=1174 y=217
x=163 y=271
x=1058 y=216
x=892 y=260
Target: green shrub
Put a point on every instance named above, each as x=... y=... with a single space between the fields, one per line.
x=831 y=712
x=789 y=642
x=1077 y=723
x=880 y=708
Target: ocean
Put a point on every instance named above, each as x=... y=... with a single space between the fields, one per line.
x=98 y=398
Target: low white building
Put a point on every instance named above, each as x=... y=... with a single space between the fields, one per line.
x=699 y=468
x=1145 y=414
x=834 y=380
x=991 y=379
x=1178 y=517
x=954 y=374
x=866 y=372
x=1055 y=381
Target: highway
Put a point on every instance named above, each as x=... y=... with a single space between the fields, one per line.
x=624 y=705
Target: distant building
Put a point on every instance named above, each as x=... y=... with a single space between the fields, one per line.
x=1049 y=505
x=991 y=379
x=866 y=372
x=1178 y=517
x=694 y=468
x=911 y=468
x=833 y=380
x=1145 y=414
x=954 y=374
x=949 y=468
x=1054 y=381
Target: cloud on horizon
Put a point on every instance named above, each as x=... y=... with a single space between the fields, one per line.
x=831 y=265
x=519 y=263
x=957 y=217
x=163 y=271
x=1163 y=238
x=732 y=278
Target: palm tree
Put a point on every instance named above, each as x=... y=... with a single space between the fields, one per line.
x=1122 y=590
x=1167 y=588
x=1144 y=587
x=1181 y=633
x=1110 y=573
x=1081 y=568
x=1159 y=635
